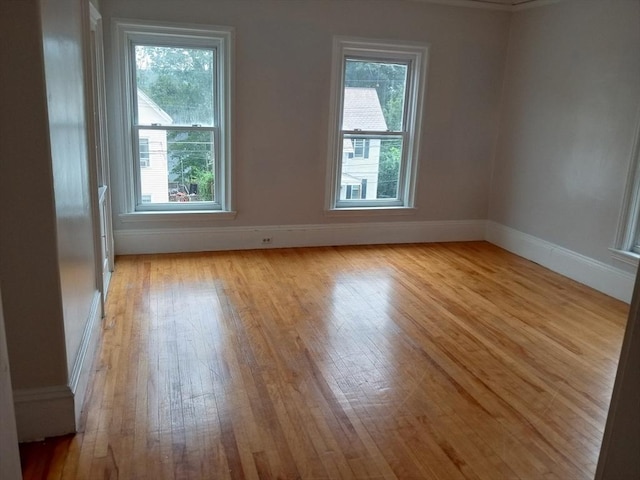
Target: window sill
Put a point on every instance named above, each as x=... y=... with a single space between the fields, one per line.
x=183 y=216
x=630 y=258
x=369 y=211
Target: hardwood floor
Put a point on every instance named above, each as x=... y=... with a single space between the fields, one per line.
x=438 y=361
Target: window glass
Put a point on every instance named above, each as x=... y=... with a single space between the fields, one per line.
x=179 y=81
x=374 y=97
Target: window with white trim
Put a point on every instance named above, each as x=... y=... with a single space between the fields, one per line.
x=627 y=244
x=176 y=85
x=377 y=95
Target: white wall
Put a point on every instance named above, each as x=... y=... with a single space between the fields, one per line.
x=63 y=60
x=46 y=248
x=571 y=96
x=28 y=255
x=9 y=455
x=283 y=67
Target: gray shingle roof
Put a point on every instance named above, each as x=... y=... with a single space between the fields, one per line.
x=362 y=110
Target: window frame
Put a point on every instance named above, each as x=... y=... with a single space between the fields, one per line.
x=416 y=56
x=127 y=34
x=627 y=243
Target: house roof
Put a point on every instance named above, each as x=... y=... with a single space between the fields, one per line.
x=150 y=112
x=362 y=110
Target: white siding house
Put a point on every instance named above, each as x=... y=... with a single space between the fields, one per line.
x=361 y=156
x=154 y=186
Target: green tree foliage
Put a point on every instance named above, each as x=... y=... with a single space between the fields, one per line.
x=388 y=170
x=180 y=81
x=389 y=80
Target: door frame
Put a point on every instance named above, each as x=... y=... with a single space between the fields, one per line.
x=98 y=154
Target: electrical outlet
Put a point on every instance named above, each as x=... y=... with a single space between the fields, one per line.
x=267 y=240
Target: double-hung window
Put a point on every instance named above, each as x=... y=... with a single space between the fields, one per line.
x=627 y=243
x=377 y=95
x=176 y=89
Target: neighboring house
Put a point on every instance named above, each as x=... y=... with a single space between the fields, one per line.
x=154 y=186
x=361 y=156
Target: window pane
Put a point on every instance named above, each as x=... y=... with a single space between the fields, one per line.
x=374 y=176
x=374 y=95
x=181 y=166
x=175 y=85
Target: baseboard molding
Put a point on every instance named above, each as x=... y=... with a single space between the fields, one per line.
x=52 y=411
x=173 y=240
x=600 y=276
x=44 y=412
x=81 y=372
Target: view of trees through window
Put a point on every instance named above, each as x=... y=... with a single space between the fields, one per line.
x=390 y=81
x=180 y=82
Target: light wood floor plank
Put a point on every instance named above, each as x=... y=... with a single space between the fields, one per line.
x=439 y=361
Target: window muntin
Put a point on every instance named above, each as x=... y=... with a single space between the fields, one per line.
x=377 y=92
x=176 y=84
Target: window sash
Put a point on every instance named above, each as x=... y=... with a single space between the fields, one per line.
x=216 y=204
x=377 y=202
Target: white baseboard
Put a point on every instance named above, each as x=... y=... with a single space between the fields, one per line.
x=52 y=411
x=44 y=412
x=600 y=276
x=81 y=372
x=174 y=240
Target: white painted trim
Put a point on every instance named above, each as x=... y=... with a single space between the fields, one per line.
x=630 y=209
x=600 y=276
x=608 y=279
x=177 y=216
x=418 y=55
x=197 y=35
x=171 y=240
x=50 y=411
x=630 y=258
x=81 y=372
x=44 y=412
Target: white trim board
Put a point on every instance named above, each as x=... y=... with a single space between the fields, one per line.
x=81 y=373
x=172 y=240
x=600 y=276
x=52 y=411
x=44 y=412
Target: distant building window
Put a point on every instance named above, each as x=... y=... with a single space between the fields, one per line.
x=177 y=83
x=361 y=148
x=354 y=192
x=144 y=153
x=377 y=101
